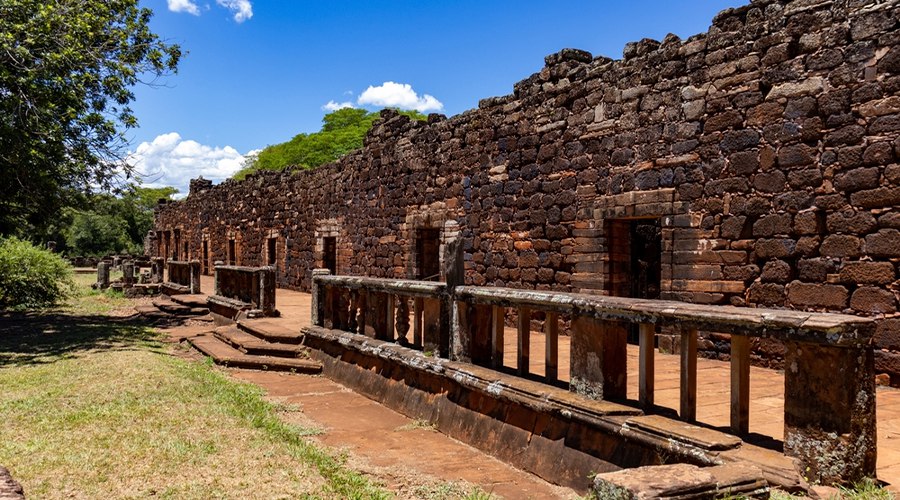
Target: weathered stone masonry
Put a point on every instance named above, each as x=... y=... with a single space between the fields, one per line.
x=763 y=152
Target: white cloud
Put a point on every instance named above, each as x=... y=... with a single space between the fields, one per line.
x=334 y=106
x=398 y=95
x=172 y=161
x=184 y=6
x=241 y=8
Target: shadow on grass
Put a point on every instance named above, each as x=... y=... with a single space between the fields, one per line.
x=47 y=336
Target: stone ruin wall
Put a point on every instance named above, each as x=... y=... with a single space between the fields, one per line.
x=768 y=148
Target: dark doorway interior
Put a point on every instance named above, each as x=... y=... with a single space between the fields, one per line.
x=177 y=245
x=428 y=245
x=204 y=264
x=185 y=253
x=270 y=251
x=646 y=259
x=231 y=253
x=635 y=257
x=329 y=253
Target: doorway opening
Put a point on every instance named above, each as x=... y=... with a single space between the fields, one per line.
x=428 y=246
x=204 y=264
x=635 y=261
x=185 y=255
x=232 y=259
x=177 y=245
x=270 y=251
x=329 y=253
x=167 y=237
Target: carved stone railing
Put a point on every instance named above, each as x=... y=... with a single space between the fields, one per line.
x=829 y=407
x=183 y=277
x=243 y=289
x=384 y=309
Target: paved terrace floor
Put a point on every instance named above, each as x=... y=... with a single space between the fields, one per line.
x=713 y=397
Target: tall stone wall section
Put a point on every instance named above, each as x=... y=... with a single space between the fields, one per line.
x=767 y=147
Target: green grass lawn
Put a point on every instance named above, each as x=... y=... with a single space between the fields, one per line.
x=96 y=406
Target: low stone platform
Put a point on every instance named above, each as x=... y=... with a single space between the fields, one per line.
x=224 y=354
x=549 y=431
x=263 y=344
x=253 y=344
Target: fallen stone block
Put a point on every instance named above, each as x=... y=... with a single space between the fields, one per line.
x=681 y=482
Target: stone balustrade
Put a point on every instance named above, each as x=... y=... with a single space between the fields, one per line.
x=238 y=289
x=829 y=377
x=183 y=277
x=383 y=308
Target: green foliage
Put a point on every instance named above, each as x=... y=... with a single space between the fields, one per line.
x=342 y=132
x=867 y=489
x=67 y=69
x=96 y=234
x=113 y=224
x=31 y=276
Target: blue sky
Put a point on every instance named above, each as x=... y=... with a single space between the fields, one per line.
x=259 y=72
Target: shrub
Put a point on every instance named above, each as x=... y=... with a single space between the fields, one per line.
x=31 y=276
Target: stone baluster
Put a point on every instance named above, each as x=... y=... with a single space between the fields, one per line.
x=402 y=321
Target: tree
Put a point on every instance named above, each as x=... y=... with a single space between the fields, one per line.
x=342 y=132
x=67 y=69
x=112 y=224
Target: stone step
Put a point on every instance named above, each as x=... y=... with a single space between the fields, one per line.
x=146 y=288
x=273 y=330
x=224 y=354
x=251 y=344
x=152 y=312
x=172 y=307
x=190 y=300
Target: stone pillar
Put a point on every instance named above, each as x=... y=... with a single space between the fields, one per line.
x=472 y=333
x=318 y=298
x=194 y=266
x=216 y=286
x=266 y=297
x=446 y=319
x=102 y=275
x=454 y=268
x=376 y=316
x=128 y=273
x=431 y=324
x=156 y=270
x=598 y=359
x=829 y=411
